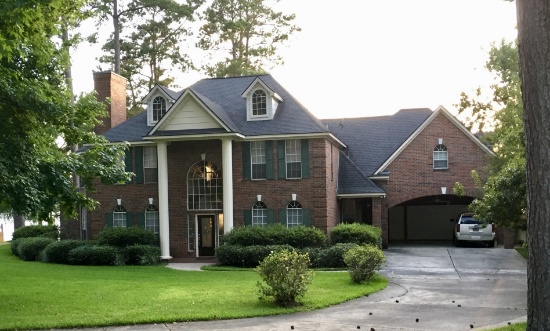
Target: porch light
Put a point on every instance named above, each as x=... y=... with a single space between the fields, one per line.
x=151 y=201
x=443 y=189
x=293 y=196
x=203 y=156
x=119 y=202
x=259 y=197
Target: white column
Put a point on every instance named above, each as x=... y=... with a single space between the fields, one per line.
x=164 y=219
x=227 y=168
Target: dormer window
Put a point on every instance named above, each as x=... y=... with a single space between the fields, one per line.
x=259 y=103
x=159 y=108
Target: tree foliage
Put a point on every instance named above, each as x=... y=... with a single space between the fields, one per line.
x=248 y=32
x=38 y=119
x=504 y=195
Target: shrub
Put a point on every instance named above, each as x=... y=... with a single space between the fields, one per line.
x=29 y=249
x=286 y=274
x=141 y=255
x=362 y=261
x=356 y=233
x=276 y=234
x=246 y=256
x=58 y=251
x=95 y=255
x=123 y=237
x=14 y=244
x=49 y=231
x=333 y=256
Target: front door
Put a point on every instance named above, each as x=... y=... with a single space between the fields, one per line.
x=207 y=239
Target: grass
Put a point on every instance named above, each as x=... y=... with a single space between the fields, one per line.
x=522 y=251
x=513 y=327
x=36 y=295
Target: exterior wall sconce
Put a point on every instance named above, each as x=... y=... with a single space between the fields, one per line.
x=151 y=201
x=443 y=190
x=203 y=156
x=440 y=141
x=259 y=197
x=293 y=196
x=119 y=202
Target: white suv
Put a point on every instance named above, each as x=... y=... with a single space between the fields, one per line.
x=469 y=229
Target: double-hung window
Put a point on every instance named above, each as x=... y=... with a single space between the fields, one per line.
x=159 y=108
x=294 y=214
x=293 y=155
x=258 y=159
x=259 y=103
x=259 y=214
x=441 y=157
x=152 y=219
x=150 y=171
x=119 y=217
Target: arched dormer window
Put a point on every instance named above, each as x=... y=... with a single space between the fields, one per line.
x=204 y=187
x=259 y=103
x=159 y=108
x=152 y=218
x=441 y=157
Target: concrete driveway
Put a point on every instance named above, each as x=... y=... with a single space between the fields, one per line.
x=431 y=288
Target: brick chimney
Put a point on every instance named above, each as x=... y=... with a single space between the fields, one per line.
x=110 y=85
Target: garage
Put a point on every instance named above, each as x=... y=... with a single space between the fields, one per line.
x=429 y=218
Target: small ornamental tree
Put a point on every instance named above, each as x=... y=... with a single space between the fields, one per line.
x=286 y=274
x=362 y=261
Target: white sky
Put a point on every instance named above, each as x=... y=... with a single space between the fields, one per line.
x=357 y=58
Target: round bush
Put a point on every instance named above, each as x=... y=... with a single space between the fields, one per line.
x=58 y=251
x=246 y=256
x=49 y=231
x=362 y=261
x=302 y=236
x=141 y=255
x=123 y=237
x=14 y=244
x=29 y=249
x=356 y=233
x=95 y=255
x=333 y=256
x=276 y=234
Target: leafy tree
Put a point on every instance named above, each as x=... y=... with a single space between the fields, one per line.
x=38 y=118
x=504 y=196
x=249 y=31
x=534 y=41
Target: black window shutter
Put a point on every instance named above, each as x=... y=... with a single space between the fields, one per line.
x=247 y=167
x=139 y=165
x=305 y=158
x=128 y=161
x=306 y=217
x=248 y=217
x=270 y=216
x=281 y=163
x=141 y=219
x=129 y=220
x=269 y=159
x=282 y=216
x=109 y=219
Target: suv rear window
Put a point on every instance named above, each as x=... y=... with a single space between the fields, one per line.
x=469 y=220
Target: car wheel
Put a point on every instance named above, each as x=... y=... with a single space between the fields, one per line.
x=491 y=244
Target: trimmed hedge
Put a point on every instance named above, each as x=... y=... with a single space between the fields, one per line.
x=29 y=249
x=48 y=231
x=276 y=234
x=329 y=257
x=123 y=237
x=356 y=233
x=95 y=255
x=14 y=244
x=141 y=255
x=246 y=256
x=58 y=251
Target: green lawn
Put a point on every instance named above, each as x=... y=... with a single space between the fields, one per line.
x=513 y=327
x=522 y=251
x=41 y=295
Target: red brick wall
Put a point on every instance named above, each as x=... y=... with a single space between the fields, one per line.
x=110 y=85
x=412 y=174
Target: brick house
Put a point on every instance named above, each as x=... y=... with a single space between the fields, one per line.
x=284 y=165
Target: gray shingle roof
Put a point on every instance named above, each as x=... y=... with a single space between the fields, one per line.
x=351 y=180
x=223 y=96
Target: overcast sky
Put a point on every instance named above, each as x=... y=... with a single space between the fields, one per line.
x=356 y=58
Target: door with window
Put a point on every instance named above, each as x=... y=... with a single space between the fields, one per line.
x=206 y=235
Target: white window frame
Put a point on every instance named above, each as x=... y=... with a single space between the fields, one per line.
x=440 y=156
x=151 y=219
x=204 y=187
x=258 y=157
x=293 y=155
x=150 y=161
x=259 y=214
x=259 y=103
x=119 y=217
x=294 y=214
x=157 y=114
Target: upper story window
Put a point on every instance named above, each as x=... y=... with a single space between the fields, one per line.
x=150 y=171
x=441 y=157
x=294 y=214
x=159 y=108
x=119 y=217
x=259 y=214
x=204 y=187
x=258 y=159
x=293 y=158
x=259 y=103
x=152 y=218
